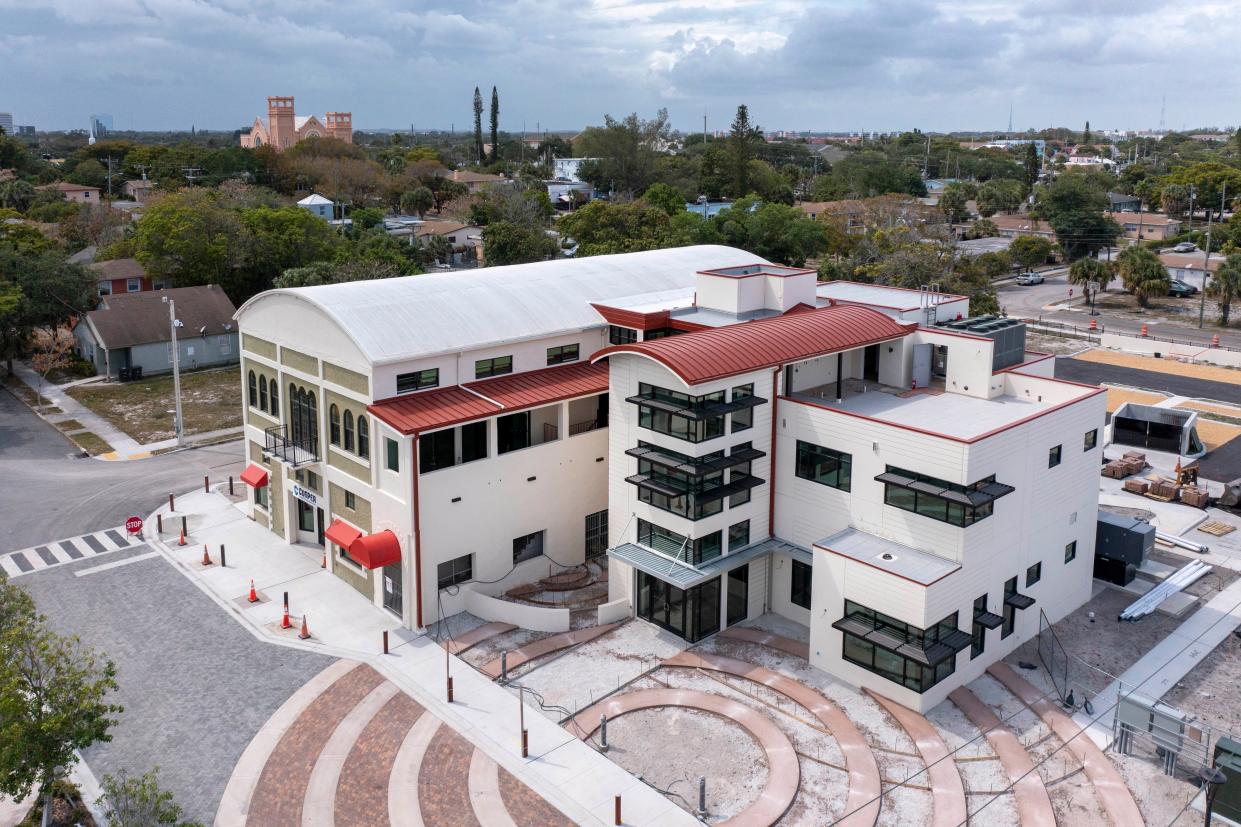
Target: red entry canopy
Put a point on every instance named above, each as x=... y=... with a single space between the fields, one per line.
x=254 y=475
x=342 y=534
x=375 y=550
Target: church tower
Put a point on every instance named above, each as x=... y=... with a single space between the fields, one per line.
x=340 y=125
x=281 y=128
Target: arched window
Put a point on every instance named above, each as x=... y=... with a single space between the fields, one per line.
x=275 y=399
x=262 y=393
x=364 y=438
x=303 y=419
x=254 y=393
x=333 y=419
x=348 y=430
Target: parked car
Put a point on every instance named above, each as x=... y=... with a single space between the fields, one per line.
x=1180 y=289
x=1030 y=278
x=1185 y=247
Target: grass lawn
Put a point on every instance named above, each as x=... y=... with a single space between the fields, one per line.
x=91 y=444
x=23 y=392
x=69 y=425
x=210 y=400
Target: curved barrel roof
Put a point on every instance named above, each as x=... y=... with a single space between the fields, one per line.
x=405 y=318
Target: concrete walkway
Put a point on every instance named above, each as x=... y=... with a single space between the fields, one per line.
x=947 y=790
x=796 y=648
x=1167 y=662
x=124 y=447
x=569 y=774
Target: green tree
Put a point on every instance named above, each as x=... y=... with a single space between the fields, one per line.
x=1032 y=165
x=1225 y=285
x=276 y=239
x=994 y=264
x=1174 y=199
x=627 y=150
x=982 y=228
x=1076 y=210
x=495 y=125
x=1143 y=273
x=777 y=232
x=478 y=126
x=600 y=228
x=418 y=200
x=1085 y=270
x=508 y=243
x=1000 y=195
x=17 y=195
x=336 y=272
x=190 y=238
x=139 y=801
x=1030 y=250
x=664 y=197
x=742 y=138
x=53 y=698
x=89 y=173
x=1086 y=133
x=952 y=202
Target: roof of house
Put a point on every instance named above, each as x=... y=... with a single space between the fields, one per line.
x=466 y=176
x=1190 y=261
x=705 y=355
x=397 y=319
x=1019 y=222
x=313 y=200
x=1149 y=219
x=65 y=186
x=119 y=268
x=428 y=410
x=128 y=319
x=440 y=227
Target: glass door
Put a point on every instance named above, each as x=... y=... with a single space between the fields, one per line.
x=738 y=594
x=393 y=588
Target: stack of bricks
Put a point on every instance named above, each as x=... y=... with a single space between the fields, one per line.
x=1195 y=496
x=1137 y=486
x=1116 y=469
x=1164 y=489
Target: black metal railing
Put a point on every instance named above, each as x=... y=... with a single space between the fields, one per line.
x=276 y=443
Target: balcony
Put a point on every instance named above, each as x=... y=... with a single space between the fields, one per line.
x=295 y=454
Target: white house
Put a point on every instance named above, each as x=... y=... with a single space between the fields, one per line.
x=735 y=437
x=316 y=204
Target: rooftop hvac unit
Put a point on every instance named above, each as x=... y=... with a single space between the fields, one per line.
x=1009 y=336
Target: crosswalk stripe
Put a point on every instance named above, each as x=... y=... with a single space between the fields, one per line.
x=21 y=561
x=70 y=549
x=97 y=546
x=116 y=538
x=37 y=558
x=46 y=554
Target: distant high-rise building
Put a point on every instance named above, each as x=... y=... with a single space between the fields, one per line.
x=27 y=131
x=6 y=122
x=100 y=126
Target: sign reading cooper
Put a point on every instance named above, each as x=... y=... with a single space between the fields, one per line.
x=305 y=495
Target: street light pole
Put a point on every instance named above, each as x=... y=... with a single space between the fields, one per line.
x=1206 y=258
x=173 y=324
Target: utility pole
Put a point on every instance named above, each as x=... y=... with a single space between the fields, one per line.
x=1206 y=256
x=173 y=324
x=110 y=161
x=1193 y=192
x=192 y=174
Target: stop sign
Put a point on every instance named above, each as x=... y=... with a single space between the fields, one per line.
x=133 y=525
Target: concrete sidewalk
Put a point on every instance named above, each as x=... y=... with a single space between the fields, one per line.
x=567 y=772
x=124 y=447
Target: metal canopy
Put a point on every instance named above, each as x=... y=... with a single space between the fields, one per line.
x=684 y=576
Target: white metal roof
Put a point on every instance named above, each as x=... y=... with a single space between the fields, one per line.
x=880 y=295
x=920 y=566
x=313 y=200
x=405 y=318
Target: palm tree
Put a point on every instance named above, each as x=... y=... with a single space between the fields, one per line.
x=1086 y=270
x=1143 y=273
x=1226 y=285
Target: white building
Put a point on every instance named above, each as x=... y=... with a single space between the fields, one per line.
x=736 y=438
x=566 y=169
x=317 y=204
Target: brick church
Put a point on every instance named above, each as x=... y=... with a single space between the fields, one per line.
x=285 y=128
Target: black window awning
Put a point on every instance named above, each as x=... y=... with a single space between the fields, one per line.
x=736 y=486
x=698 y=467
x=1019 y=601
x=956 y=640
x=703 y=412
x=988 y=493
x=931 y=654
x=988 y=620
x=651 y=484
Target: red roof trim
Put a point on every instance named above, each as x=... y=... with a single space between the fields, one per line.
x=720 y=352
x=949 y=437
x=633 y=318
x=780 y=271
x=430 y=410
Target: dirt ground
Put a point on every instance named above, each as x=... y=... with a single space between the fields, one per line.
x=1212 y=689
x=1058 y=345
x=210 y=401
x=1162 y=309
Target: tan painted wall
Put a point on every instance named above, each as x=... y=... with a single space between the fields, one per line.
x=262 y=347
x=299 y=361
x=360 y=516
x=353 y=469
x=362 y=583
x=346 y=378
x=256 y=416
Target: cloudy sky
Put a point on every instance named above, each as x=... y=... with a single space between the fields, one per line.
x=798 y=64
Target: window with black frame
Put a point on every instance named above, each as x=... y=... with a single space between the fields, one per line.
x=801 y=585
x=527 y=547
x=948 y=502
x=877 y=642
x=824 y=466
x=743 y=419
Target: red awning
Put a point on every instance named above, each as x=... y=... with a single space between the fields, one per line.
x=375 y=550
x=342 y=534
x=254 y=475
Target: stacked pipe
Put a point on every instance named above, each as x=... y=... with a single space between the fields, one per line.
x=1175 y=582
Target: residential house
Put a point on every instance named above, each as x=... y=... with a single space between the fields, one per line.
x=139 y=190
x=1147 y=226
x=477 y=181
x=1188 y=267
x=732 y=437
x=1122 y=202
x=77 y=192
x=316 y=204
x=566 y=169
x=465 y=240
x=132 y=331
x=1011 y=226
x=121 y=275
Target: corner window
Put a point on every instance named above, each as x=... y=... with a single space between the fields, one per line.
x=622 y=335
x=743 y=419
x=418 y=380
x=799 y=592
x=1090 y=440
x=1034 y=574
x=1053 y=457
x=527 y=547
x=458 y=570
x=496 y=366
x=563 y=353
x=393 y=458
x=1070 y=552
x=739 y=535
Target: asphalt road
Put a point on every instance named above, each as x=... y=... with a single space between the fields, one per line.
x=46 y=493
x=1094 y=373
x=194 y=682
x=1035 y=302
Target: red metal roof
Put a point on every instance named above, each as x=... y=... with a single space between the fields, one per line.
x=741 y=348
x=254 y=475
x=376 y=550
x=636 y=319
x=441 y=408
x=342 y=534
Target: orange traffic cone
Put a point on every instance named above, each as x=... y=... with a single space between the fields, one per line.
x=182 y=542
x=304 y=634
x=284 y=621
x=1143 y=330
x=254 y=596
x=1215 y=340
x=1094 y=324
x=206 y=556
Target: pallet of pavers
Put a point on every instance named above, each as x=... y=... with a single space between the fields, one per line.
x=1192 y=495
x=1137 y=486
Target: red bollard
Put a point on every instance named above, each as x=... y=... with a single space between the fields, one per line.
x=172 y=503
x=618 y=812
x=206 y=484
x=159 y=523
x=230 y=485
